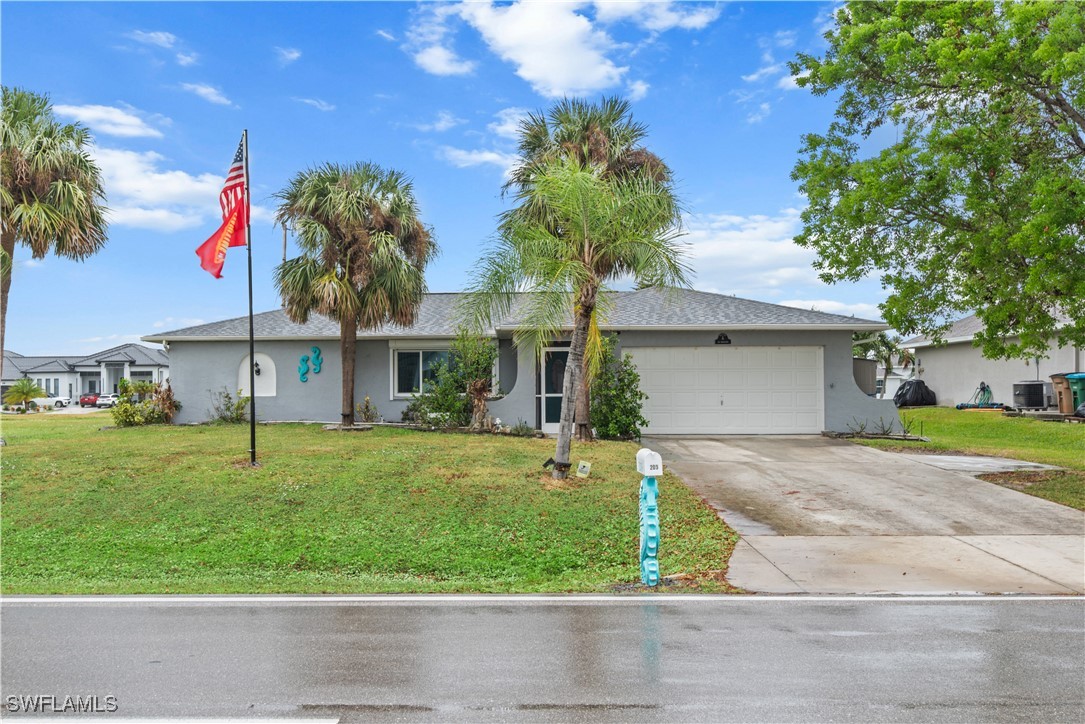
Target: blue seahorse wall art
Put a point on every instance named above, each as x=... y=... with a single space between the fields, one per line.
x=303 y=368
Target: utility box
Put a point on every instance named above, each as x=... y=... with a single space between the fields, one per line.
x=1063 y=394
x=649 y=464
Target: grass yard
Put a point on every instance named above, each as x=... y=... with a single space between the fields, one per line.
x=989 y=433
x=178 y=510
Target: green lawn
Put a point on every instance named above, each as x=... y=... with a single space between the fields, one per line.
x=177 y=509
x=989 y=433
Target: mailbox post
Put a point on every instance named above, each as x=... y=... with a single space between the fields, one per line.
x=649 y=465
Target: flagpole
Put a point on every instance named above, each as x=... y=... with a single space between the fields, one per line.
x=252 y=339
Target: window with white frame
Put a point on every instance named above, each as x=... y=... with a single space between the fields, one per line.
x=415 y=370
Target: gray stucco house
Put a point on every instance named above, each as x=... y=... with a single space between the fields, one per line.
x=710 y=364
x=955 y=369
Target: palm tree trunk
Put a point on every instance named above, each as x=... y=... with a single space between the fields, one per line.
x=568 y=393
x=348 y=348
x=7 y=243
x=583 y=405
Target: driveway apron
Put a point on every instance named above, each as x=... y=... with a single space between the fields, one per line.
x=818 y=515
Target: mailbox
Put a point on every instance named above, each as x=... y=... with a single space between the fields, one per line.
x=649 y=464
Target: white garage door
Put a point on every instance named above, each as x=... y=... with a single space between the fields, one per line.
x=731 y=390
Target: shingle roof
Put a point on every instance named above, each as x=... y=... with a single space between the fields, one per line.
x=963 y=330
x=16 y=365
x=135 y=354
x=650 y=308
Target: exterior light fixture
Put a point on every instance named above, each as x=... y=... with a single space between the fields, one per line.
x=256 y=368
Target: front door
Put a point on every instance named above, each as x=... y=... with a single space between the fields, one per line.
x=552 y=381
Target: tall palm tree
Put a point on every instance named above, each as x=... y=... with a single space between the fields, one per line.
x=595 y=230
x=51 y=196
x=364 y=253
x=602 y=136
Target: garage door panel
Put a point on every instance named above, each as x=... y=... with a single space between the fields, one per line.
x=732 y=390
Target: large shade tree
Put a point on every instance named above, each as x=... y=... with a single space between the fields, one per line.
x=602 y=136
x=364 y=253
x=955 y=167
x=574 y=231
x=51 y=196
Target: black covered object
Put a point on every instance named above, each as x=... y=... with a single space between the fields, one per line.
x=914 y=393
x=1080 y=411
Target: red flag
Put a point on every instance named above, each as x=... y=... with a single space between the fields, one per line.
x=235 y=217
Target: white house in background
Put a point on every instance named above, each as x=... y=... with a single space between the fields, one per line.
x=955 y=369
x=893 y=382
x=72 y=375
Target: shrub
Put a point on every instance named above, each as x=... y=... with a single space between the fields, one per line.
x=224 y=408
x=158 y=409
x=367 y=411
x=617 y=402
x=442 y=405
x=522 y=429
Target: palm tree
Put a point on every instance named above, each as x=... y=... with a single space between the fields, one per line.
x=22 y=392
x=595 y=230
x=364 y=253
x=51 y=196
x=603 y=136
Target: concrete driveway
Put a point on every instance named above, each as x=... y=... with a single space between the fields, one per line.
x=819 y=515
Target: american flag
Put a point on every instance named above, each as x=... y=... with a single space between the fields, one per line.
x=233 y=190
x=235 y=217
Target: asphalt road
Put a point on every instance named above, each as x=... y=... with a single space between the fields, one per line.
x=598 y=659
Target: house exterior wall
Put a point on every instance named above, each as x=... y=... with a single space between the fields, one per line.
x=200 y=368
x=954 y=371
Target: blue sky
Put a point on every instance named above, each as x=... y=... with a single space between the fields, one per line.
x=431 y=89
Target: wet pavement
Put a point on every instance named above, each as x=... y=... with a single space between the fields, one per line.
x=524 y=658
x=819 y=515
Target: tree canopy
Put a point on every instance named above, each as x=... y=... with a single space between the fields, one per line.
x=955 y=166
x=364 y=253
x=51 y=195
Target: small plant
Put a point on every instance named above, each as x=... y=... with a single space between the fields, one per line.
x=617 y=403
x=857 y=427
x=883 y=427
x=367 y=411
x=443 y=404
x=224 y=408
x=907 y=424
x=522 y=429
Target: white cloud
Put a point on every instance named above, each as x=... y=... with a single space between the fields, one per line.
x=752 y=256
x=157 y=37
x=638 y=89
x=386 y=35
x=316 y=103
x=444 y=121
x=208 y=93
x=287 y=55
x=508 y=122
x=788 y=82
x=831 y=306
x=145 y=196
x=32 y=263
x=439 y=60
x=568 y=59
x=187 y=59
x=763 y=72
x=109 y=120
x=657 y=16
x=784 y=38
x=429 y=44
x=116 y=339
x=762 y=112
x=462 y=158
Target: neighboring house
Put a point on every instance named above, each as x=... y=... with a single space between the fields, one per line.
x=710 y=364
x=893 y=382
x=955 y=369
x=72 y=375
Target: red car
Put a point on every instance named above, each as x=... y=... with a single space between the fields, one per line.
x=88 y=399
